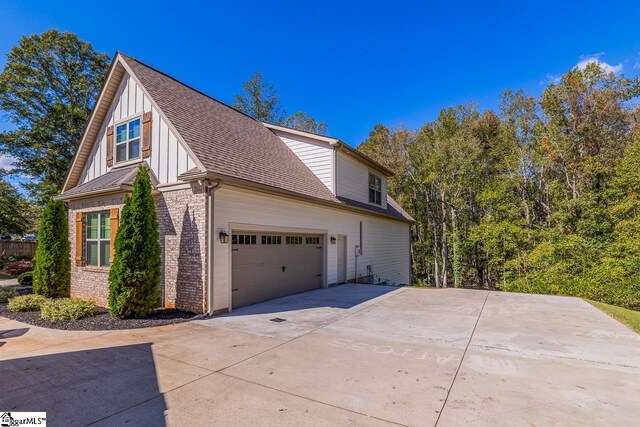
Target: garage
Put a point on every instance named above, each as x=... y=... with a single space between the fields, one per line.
x=272 y=265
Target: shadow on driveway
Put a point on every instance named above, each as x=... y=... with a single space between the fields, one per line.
x=12 y=333
x=82 y=387
x=343 y=296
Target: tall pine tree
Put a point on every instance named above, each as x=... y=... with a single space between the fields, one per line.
x=52 y=273
x=134 y=278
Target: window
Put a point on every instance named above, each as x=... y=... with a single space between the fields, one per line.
x=294 y=240
x=271 y=240
x=128 y=141
x=243 y=239
x=375 y=189
x=312 y=240
x=97 y=238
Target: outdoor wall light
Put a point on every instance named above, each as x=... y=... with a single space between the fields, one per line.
x=333 y=240
x=223 y=236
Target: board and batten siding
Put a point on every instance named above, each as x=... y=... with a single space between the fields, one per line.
x=168 y=157
x=353 y=180
x=386 y=242
x=317 y=156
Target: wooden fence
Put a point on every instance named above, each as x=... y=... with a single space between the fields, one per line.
x=14 y=247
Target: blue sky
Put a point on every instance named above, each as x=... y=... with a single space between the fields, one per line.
x=351 y=64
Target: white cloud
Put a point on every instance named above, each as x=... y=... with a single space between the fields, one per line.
x=636 y=66
x=595 y=59
x=6 y=162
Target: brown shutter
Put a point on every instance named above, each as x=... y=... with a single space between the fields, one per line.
x=146 y=134
x=110 y=146
x=79 y=240
x=114 y=216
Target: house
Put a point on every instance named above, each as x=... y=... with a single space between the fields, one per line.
x=247 y=211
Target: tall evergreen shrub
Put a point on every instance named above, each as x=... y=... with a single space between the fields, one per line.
x=52 y=273
x=134 y=278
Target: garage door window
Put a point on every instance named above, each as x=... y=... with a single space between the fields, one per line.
x=312 y=240
x=294 y=240
x=271 y=240
x=244 y=239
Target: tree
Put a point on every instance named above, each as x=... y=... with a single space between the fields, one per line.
x=260 y=100
x=52 y=272
x=14 y=210
x=48 y=87
x=389 y=148
x=134 y=278
x=304 y=122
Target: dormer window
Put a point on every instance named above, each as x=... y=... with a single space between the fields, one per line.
x=375 y=189
x=128 y=141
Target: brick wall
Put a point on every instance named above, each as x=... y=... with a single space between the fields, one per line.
x=182 y=219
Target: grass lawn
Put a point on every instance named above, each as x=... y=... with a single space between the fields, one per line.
x=630 y=318
x=4 y=276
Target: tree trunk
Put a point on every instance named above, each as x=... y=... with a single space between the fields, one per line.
x=445 y=251
x=457 y=261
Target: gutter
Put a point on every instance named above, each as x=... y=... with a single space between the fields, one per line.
x=210 y=188
x=250 y=185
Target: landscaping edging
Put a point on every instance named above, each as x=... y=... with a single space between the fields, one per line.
x=101 y=321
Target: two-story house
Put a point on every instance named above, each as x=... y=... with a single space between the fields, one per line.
x=247 y=211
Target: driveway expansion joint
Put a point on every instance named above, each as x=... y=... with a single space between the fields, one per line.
x=473 y=331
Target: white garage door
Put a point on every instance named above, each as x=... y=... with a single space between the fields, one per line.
x=270 y=265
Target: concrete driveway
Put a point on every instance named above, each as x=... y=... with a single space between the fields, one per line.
x=351 y=355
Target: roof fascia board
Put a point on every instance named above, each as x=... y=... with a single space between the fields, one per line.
x=336 y=144
x=92 y=118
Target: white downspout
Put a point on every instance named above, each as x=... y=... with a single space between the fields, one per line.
x=210 y=188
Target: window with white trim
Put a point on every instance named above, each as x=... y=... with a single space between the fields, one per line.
x=97 y=234
x=375 y=189
x=243 y=239
x=271 y=240
x=310 y=240
x=294 y=240
x=128 y=140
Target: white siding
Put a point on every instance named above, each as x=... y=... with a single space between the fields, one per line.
x=352 y=180
x=168 y=157
x=318 y=157
x=385 y=241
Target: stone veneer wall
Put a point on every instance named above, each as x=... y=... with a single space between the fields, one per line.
x=182 y=222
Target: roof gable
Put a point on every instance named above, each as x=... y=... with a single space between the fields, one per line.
x=123 y=96
x=226 y=141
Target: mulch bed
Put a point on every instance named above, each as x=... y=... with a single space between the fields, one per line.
x=101 y=321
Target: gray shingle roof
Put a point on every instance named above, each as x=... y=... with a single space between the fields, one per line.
x=226 y=141
x=112 y=180
x=393 y=208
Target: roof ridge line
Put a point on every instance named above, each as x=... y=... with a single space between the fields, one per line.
x=186 y=85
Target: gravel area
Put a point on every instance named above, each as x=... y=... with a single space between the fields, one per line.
x=101 y=321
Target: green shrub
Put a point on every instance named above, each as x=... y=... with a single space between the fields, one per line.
x=52 y=274
x=134 y=278
x=7 y=293
x=55 y=310
x=27 y=303
x=26 y=278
